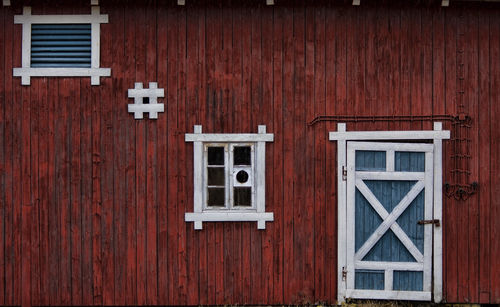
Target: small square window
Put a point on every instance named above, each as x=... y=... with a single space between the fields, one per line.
x=61 y=46
x=229 y=177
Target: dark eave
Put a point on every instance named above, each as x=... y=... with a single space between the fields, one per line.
x=272 y=2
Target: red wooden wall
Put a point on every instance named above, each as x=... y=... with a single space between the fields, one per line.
x=93 y=201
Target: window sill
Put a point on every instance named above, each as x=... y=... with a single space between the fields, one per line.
x=94 y=73
x=234 y=216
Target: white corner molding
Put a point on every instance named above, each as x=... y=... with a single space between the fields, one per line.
x=6 y=2
x=94 y=72
x=255 y=213
x=433 y=180
x=152 y=93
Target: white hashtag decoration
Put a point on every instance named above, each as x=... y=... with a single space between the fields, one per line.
x=139 y=107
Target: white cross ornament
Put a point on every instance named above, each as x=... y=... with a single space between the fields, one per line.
x=146 y=100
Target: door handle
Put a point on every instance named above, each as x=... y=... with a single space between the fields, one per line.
x=435 y=222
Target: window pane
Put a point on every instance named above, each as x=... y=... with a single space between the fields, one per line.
x=216 y=197
x=242 y=176
x=242 y=155
x=367 y=160
x=243 y=197
x=369 y=279
x=215 y=155
x=409 y=161
x=216 y=176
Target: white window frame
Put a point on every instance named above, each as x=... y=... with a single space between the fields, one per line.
x=257 y=212
x=342 y=137
x=94 y=72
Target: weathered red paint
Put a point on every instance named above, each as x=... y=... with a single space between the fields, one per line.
x=93 y=201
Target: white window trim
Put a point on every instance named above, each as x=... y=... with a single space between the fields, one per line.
x=94 y=72
x=342 y=136
x=255 y=214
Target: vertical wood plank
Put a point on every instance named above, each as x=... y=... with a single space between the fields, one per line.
x=266 y=102
x=321 y=274
x=35 y=195
x=416 y=63
x=151 y=164
x=115 y=32
x=277 y=152
x=403 y=106
x=462 y=216
x=182 y=288
x=394 y=96
x=451 y=210
x=130 y=175
x=162 y=175
x=495 y=144
x=484 y=155
x=108 y=195
x=299 y=150
x=471 y=100
x=289 y=279
x=427 y=66
x=2 y=160
x=75 y=196
x=141 y=156
x=371 y=72
x=9 y=140
x=17 y=202
x=172 y=154
x=86 y=190
x=63 y=126
x=96 y=199
x=25 y=202
x=53 y=221
x=308 y=104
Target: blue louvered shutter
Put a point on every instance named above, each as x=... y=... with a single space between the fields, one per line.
x=61 y=45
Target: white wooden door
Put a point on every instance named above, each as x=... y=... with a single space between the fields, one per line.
x=389 y=190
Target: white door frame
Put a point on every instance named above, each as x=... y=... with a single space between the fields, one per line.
x=342 y=136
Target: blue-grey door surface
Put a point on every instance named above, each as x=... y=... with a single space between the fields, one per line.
x=389 y=190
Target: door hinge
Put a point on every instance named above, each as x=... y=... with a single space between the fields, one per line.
x=435 y=222
x=344 y=273
x=344 y=173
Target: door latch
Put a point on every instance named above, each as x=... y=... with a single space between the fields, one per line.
x=435 y=222
x=344 y=173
